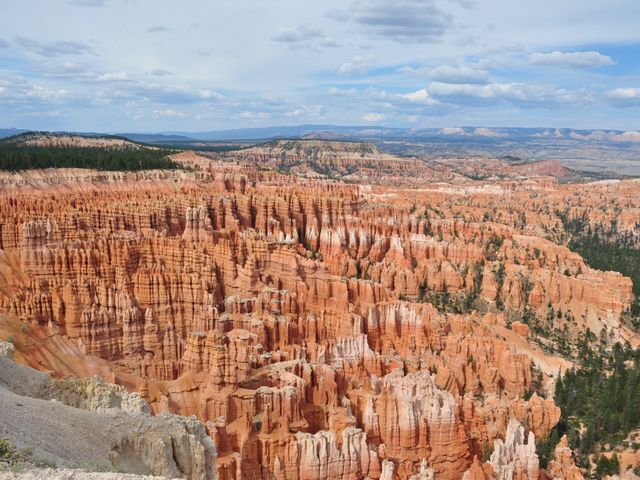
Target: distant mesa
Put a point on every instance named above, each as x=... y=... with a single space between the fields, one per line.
x=68 y=140
x=630 y=136
x=453 y=131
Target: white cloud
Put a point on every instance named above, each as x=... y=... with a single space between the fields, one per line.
x=515 y=92
x=624 y=93
x=624 y=97
x=448 y=74
x=168 y=113
x=577 y=60
x=358 y=65
x=374 y=117
x=304 y=36
x=457 y=75
x=420 y=96
x=228 y=64
x=44 y=92
x=210 y=94
x=256 y=115
x=343 y=92
x=19 y=89
x=307 y=111
x=113 y=77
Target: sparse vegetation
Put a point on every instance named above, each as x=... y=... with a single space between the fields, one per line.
x=16 y=458
x=492 y=246
x=7 y=451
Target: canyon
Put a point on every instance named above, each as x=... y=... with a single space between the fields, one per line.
x=324 y=309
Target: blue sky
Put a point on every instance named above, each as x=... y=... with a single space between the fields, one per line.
x=196 y=65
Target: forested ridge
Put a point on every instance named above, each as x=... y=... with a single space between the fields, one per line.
x=600 y=403
x=603 y=249
x=600 y=397
x=16 y=155
x=15 y=158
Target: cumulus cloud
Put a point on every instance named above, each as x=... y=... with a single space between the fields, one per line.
x=297 y=35
x=374 y=117
x=303 y=36
x=256 y=115
x=577 y=60
x=343 y=92
x=20 y=91
x=358 y=65
x=420 y=96
x=401 y=20
x=206 y=93
x=448 y=74
x=113 y=77
x=164 y=94
x=624 y=97
x=41 y=92
x=409 y=103
x=522 y=94
x=168 y=113
x=54 y=49
x=307 y=111
x=464 y=82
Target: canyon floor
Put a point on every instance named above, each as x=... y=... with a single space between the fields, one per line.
x=315 y=309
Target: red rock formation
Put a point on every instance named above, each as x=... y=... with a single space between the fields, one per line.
x=296 y=317
x=563 y=466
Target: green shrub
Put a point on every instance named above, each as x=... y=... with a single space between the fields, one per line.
x=7 y=451
x=607 y=466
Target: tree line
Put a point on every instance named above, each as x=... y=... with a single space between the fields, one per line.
x=16 y=157
x=600 y=403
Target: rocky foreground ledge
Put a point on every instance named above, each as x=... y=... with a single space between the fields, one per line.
x=71 y=474
x=87 y=424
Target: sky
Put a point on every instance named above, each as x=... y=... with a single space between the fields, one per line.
x=196 y=65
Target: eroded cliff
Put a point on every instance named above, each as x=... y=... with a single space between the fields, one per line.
x=318 y=329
